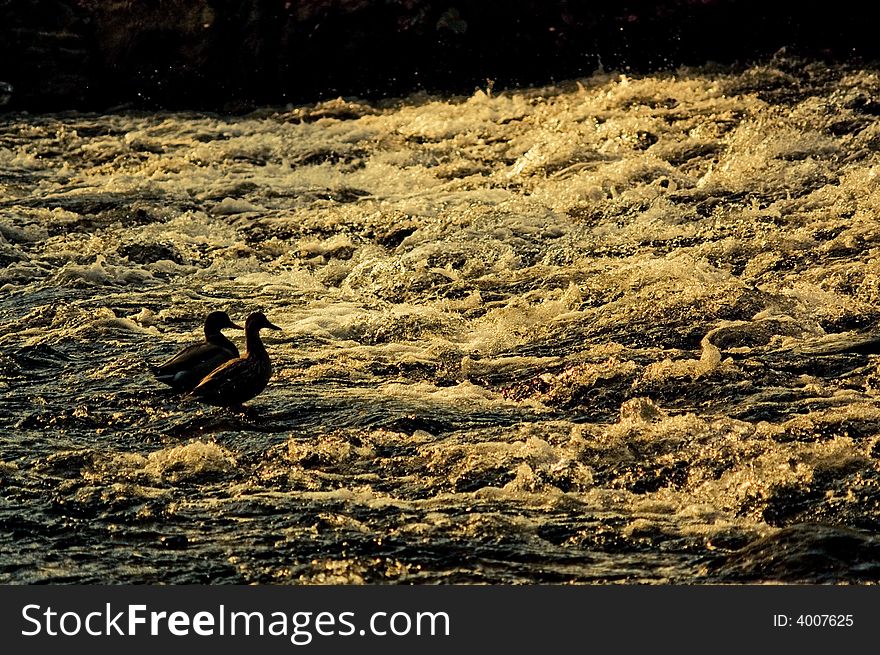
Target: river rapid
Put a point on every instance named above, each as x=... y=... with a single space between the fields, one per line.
x=616 y=330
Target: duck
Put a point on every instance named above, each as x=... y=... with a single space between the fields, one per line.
x=189 y=367
x=238 y=380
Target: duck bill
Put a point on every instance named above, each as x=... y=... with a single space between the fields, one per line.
x=235 y=326
x=271 y=326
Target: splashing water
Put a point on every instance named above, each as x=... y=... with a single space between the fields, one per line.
x=595 y=332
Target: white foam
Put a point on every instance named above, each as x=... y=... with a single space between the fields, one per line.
x=189 y=461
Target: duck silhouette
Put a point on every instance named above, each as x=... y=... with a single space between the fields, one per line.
x=188 y=367
x=238 y=380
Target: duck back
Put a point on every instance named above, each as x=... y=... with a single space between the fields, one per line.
x=188 y=367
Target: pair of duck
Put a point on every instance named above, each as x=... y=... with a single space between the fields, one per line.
x=213 y=372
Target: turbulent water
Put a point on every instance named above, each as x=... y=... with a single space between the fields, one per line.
x=614 y=330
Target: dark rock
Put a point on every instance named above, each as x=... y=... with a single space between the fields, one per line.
x=393 y=236
x=412 y=423
x=148 y=253
x=10 y=256
x=174 y=542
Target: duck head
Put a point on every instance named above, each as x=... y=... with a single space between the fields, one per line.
x=257 y=321
x=217 y=321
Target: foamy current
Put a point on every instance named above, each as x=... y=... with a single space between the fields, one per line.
x=615 y=330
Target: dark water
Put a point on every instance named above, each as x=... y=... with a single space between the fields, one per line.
x=613 y=331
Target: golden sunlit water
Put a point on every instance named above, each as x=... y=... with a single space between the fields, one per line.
x=615 y=330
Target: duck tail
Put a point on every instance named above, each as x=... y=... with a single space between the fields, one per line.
x=192 y=396
x=163 y=376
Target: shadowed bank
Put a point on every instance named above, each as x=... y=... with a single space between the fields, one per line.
x=231 y=55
